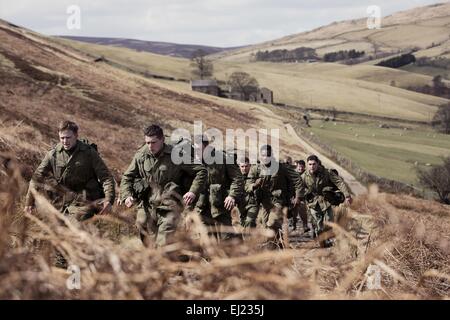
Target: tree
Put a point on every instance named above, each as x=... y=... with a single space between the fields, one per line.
x=201 y=67
x=244 y=84
x=437 y=179
x=441 y=119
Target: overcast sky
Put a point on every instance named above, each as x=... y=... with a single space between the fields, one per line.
x=221 y=23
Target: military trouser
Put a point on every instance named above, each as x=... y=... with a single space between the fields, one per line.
x=248 y=214
x=74 y=211
x=80 y=212
x=75 y=205
x=272 y=218
x=217 y=223
x=318 y=219
x=157 y=222
x=302 y=211
x=215 y=216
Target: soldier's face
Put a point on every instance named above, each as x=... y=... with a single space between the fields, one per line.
x=154 y=144
x=265 y=157
x=300 y=168
x=245 y=168
x=312 y=166
x=68 y=139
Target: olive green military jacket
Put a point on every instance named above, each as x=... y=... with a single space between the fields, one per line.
x=160 y=174
x=321 y=181
x=249 y=198
x=224 y=179
x=82 y=173
x=277 y=186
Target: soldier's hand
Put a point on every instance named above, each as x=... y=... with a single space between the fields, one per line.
x=258 y=183
x=296 y=201
x=229 y=203
x=349 y=200
x=29 y=209
x=189 y=197
x=129 y=202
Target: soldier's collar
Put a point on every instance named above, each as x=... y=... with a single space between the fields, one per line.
x=59 y=147
x=319 y=172
x=166 y=149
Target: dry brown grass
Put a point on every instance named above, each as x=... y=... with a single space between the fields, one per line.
x=411 y=247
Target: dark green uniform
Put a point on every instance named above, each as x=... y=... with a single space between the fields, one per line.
x=274 y=192
x=302 y=211
x=248 y=208
x=160 y=183
x=74 y=180
x=224 y=179
x=321 y=192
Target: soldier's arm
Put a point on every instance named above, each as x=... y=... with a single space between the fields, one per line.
x=237 y=181
x=104 y=176
x=296 y=181
x=340 y=184
x=42 y=171
x=128 y=178
x=200 y=174
x=251 y=179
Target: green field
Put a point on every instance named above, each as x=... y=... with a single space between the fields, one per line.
x=431 y=71
x=392 y=153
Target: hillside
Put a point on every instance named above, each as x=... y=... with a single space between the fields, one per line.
x=45 y=81
x=362 y=88
x=424 y=28
x=163 y=48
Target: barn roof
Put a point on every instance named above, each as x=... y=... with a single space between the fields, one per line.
x=203 y=83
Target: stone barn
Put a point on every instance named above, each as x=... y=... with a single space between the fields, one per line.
x=205 y=86
x=265 y=95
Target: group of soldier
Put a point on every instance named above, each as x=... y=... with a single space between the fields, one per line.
x=79 y=184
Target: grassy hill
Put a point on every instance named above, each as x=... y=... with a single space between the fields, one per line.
x=362 y=88
x=359 y=88
x=421 y=28
x=163 y=48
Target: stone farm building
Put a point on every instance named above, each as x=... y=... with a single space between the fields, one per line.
x=264 y=95
x=205 y=86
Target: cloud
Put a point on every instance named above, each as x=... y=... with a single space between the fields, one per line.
x=218 y=22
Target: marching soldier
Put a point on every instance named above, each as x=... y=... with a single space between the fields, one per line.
x=301 y=209
x=154 y=183
x=248 y=208
x=225 y=185
x=324 y=188
x=74 y=177
x=271 y=182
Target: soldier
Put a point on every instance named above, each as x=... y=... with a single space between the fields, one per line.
x=74 y=176
x=323 y=189
x=300 y=166
x=271 y=182
x=155 y=183
x=301 y=209
x=225 y=185
x=248 y=208
x=288 y=160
